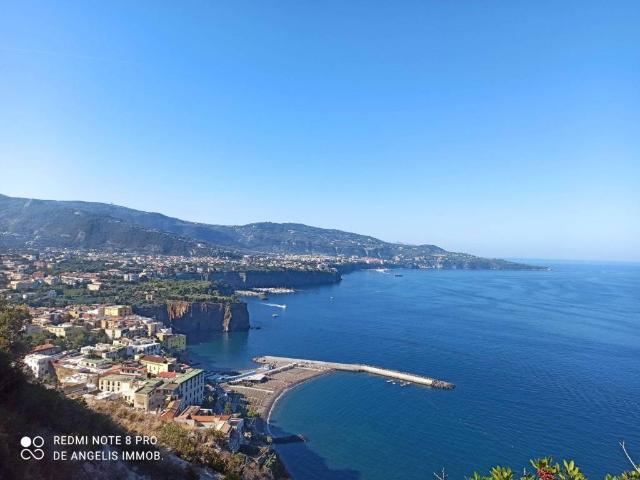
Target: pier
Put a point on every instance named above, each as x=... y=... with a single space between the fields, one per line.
x=355 y=367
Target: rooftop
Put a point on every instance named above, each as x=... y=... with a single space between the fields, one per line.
x=154 y=359
x=188 y=375
x=119 y=378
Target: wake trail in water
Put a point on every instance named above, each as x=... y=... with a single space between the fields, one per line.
x=276 y=305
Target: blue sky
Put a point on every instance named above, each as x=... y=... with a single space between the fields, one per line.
x=506 y=129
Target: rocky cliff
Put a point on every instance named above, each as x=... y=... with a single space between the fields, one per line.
x=198 y=317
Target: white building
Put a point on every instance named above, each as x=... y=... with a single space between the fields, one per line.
x=39 y=364
x=191 y=387
x=143 y=348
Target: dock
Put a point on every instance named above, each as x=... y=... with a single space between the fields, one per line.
x=355 y=367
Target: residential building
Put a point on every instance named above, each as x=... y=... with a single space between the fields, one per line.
x=61 y=330
x=46 y=349
x=191 y=386
x=125 y=385
x=175 y=342
x=39 y=364
x=156 y=364
x=149 y=397
x=117 y=310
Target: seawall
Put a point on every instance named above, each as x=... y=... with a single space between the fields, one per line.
x=356 y=367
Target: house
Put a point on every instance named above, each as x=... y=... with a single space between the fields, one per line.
x=39 y=364
x=152 y=326
x=61 y=330
x=149 y=397
x=156 y=364
x=21 y=284
x=117 y=310
x=46 y=349
x=143 y=347
x=125 y=385
x=131 y=277
x=104 y=350
x=173 y=407
x=195 y=417
x=175 y=342
x=116 y=332
x=190 y=386
x=95 y=363
x=133 y=368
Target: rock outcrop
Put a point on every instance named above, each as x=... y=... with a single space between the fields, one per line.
x=199 y=317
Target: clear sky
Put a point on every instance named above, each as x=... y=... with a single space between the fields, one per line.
x=506 y=129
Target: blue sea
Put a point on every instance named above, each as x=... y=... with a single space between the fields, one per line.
x=544 y=362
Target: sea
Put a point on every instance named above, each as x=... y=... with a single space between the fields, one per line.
x=544 y=363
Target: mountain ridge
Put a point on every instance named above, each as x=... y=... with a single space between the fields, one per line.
x=80 y=224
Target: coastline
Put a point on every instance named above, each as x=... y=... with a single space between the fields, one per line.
x=270 y=405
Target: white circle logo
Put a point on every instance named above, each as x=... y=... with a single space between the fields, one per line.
x=35 y=453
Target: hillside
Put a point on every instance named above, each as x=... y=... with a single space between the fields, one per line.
x=265 y=237
x=75 y=224
x=44 y=223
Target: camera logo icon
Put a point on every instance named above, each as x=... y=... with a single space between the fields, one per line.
x=32 y=448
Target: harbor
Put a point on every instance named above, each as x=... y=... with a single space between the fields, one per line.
x=408 y=378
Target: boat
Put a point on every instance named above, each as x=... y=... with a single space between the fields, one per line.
x=398 y=275
x=275 y=315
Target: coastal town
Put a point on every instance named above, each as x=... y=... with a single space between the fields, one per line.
x=96 y=334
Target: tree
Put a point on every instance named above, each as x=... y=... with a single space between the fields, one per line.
x=76 y=338
x=12 y=319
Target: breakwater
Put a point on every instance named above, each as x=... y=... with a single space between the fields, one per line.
x=356 y=367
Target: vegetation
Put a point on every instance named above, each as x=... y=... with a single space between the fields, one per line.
x=190 y=290
x=79 y=265
x=75 y=339
x=118 y=291
x=28 y=407
x=12 y=320
x=546 y=469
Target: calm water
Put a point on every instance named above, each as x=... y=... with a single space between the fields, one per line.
x=544 y=363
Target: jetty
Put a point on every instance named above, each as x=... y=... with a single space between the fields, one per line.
x=280 y=362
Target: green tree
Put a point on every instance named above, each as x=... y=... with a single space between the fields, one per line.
x=12 y=320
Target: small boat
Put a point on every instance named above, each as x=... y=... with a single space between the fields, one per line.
x=389 y=381
x=275 y=315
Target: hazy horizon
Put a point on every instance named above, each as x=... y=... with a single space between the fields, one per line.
x=502 y=129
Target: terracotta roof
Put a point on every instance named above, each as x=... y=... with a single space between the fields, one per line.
x=40 y=348
x=167 y=374
x=153 y=359
x=205 y=418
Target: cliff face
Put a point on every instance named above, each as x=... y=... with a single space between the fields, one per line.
x=276 y=278
x=199 y=317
